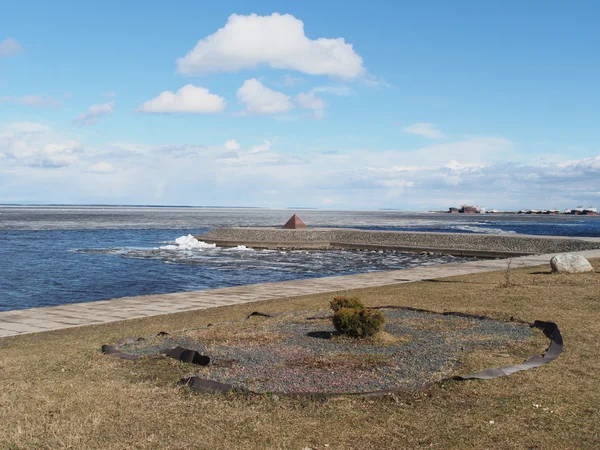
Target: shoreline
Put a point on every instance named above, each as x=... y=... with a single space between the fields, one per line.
x=50 y=318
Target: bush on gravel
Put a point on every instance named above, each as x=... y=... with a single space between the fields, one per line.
x=358 y=322
x=341 y=301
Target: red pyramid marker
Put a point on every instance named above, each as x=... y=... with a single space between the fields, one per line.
x=294 y=223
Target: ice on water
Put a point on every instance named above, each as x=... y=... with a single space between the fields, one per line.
x=188 y=242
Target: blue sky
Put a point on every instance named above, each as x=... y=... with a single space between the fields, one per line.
x=406 y=105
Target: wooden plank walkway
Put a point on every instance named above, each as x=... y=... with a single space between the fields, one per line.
x=93 y=313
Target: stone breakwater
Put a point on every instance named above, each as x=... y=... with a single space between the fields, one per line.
x=458 y=244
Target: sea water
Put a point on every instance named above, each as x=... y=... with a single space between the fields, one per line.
x=58 y=255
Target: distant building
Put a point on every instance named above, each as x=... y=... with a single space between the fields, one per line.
x=465 y=209
x=468 y=209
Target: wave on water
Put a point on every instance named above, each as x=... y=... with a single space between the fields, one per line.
x=187 y=250
x=481 y=230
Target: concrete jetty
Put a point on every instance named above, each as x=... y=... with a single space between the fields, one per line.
x=457 y=244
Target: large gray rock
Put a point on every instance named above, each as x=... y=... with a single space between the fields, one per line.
x=570 y=264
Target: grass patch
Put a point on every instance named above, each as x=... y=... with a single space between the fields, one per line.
x=383 y=338
x=513 y=353
x=58 y=391
x=247 y=335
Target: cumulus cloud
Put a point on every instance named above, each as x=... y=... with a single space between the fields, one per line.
x=308 y=100
x=23 y=128
x=259 y=99
x=101 y=167
x=95 y=112
x=278 y=41
x=188 y=99
x=27 y=144
x=424 y=129
x=290 y=80
x=39 y=101
x=9 y=46
x=232 y=145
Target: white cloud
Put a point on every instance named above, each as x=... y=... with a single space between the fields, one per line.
x=455 y=165
x=24 y=128
x=308 y=100
x=9 y=46
x=101 y=167
x=26 y=144
x=479 y=170
x=261 y=148
x=39 y=101
x=424 y=129
x=374 y=81
x=232 y=145
x=188 y=99
x=259 y=99
x=477 y=150
x=290 y=80
x=94 y=112
x=278 y=41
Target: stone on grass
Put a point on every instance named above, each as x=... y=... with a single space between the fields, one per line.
x=570 y=263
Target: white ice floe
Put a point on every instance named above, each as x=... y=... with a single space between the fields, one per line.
x=188 y=242
x=241 y=248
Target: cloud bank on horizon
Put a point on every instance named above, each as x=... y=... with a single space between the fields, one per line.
x=260 y=112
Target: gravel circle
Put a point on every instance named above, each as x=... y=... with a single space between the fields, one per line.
x=300 y=352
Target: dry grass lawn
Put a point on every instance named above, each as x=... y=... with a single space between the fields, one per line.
x=58 y=391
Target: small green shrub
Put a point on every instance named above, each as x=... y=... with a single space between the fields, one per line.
x=358 y=323
x=340 y=302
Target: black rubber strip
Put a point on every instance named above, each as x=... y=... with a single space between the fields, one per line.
x=259 y=314
x=550 y=329
x=445 y=313
x=188 y=356
x=207 y=386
